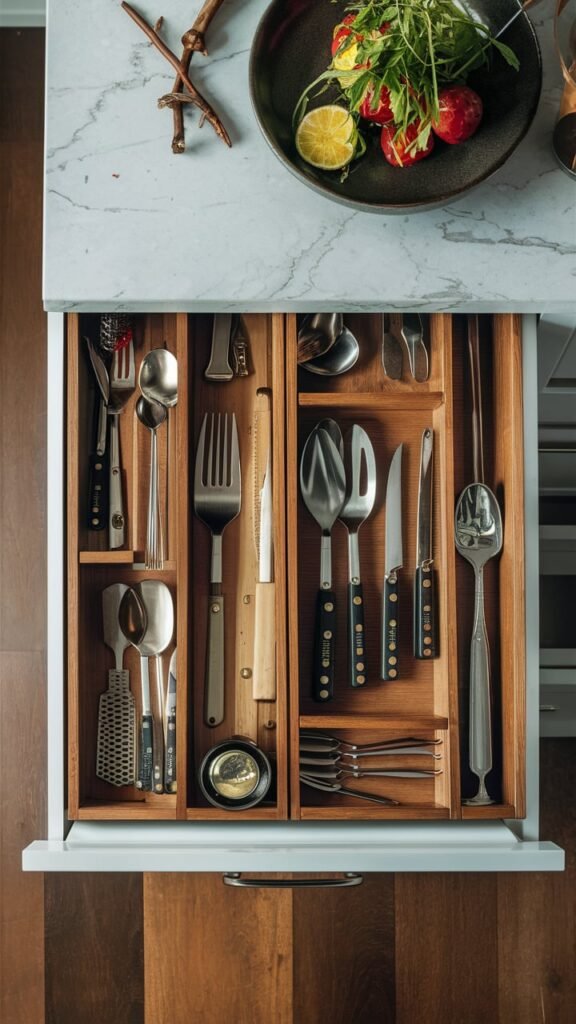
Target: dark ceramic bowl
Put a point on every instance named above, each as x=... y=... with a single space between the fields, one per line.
x=292 y=47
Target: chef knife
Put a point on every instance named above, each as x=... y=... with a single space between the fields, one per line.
x=425 y=645
x=392 y=564
x=170 y=784
x=264 y=669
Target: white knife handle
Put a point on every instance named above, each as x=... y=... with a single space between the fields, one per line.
x=116 y=512
x=264 y=672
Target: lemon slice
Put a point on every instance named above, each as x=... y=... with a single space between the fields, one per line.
x=326 y=137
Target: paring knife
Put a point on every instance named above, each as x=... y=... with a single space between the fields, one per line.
x=425 y=644
x=98 y=469
x=170 y=784
x=390 y=668
x=219 y=368
x=264 y=669
x=360 y=468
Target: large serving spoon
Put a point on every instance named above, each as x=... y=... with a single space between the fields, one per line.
x=146 y=617
x=340 y=357
x=152 y=415
x=478 y=536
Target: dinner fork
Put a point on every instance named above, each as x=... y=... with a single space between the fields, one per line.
x=122 y=384
x=217 y=501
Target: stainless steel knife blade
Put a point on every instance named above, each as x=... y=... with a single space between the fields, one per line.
x=424 y=528
x=171 y=693
x=393 y=554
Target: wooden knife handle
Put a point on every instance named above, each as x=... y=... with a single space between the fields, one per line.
x=264 y=671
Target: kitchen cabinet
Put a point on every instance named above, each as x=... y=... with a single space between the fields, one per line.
x=431 y=828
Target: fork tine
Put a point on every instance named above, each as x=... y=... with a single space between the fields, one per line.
x=234 y=456
x=199 y=467
x=225 y=467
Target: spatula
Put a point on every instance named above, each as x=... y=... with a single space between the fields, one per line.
x=115 y=754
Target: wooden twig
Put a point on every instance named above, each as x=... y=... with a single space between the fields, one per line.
x=207 y=111
x=193 y=41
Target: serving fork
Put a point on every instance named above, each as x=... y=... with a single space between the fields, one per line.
x=217 y=501
x=122 y=384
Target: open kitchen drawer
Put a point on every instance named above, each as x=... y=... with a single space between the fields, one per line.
x=430 y=827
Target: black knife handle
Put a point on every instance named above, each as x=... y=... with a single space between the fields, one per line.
x=98 y=492
x=324 y=646
x=425 y=638
x=356 y=636
x=145 y=759
x=170 y=784
x=390 y=668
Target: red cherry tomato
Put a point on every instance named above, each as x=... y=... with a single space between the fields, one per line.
x=394 y=149
x=460 y=114
x=381 y=113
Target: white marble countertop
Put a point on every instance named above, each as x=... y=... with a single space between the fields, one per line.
x=128 y=225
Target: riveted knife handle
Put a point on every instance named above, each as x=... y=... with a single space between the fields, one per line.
x=356 y=635
x=170 y=784
x=390 y=666
x=98 y=494
x=425 y=642
x=324 y=646
x=144 y=780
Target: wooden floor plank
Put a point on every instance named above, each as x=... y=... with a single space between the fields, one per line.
x=214 y=954
x=344 y=954
x=537 y=912
x=22 y=511
x=446 y=949
x=22 y=818
x=94 y=949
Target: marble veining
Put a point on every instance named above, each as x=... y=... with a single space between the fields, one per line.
x=129 y=225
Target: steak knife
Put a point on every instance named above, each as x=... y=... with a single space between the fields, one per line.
x=392 y=564
x=170 y=784
x=98 y=465
x=425 y=644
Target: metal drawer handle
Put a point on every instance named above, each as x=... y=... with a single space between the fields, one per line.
x=548 y=707
x=235 y=878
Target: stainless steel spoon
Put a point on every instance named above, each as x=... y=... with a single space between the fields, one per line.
x=478 y=535
x=146 y=617
x=152 y=415
x=158 y=379
x=339 y=358
x=317 y=333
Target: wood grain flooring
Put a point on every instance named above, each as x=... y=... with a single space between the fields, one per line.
x=22 y=525
x=129 y=949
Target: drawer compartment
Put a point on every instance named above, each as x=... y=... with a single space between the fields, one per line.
x=92 y=567
x=429 y=698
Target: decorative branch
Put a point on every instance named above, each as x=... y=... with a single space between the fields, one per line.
x=195 y=97
x=192 y=41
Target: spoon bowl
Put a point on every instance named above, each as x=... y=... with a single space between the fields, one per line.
x=340 y=357
x=150 y=412
x=158 y=378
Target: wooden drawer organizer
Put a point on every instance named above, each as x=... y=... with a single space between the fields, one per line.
x=425 y=700
x=91 y=567
x=430 y=698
